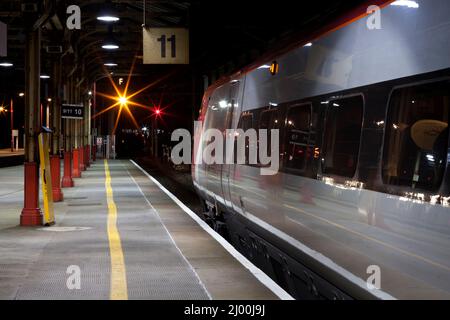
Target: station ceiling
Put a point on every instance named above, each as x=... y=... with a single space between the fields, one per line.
x=224 y=34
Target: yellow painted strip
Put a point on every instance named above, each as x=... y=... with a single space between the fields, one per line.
x=418 y=257
x=118 y=289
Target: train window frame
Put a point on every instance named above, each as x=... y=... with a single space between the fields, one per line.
x=393 y=187
x=244 y=114
x=272 y=110
x=267 y=110
x=322 y=146
x=297 y=171
x=256 y=119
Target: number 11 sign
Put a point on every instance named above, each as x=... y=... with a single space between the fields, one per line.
x=166 y=46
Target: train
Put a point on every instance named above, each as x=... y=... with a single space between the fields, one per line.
x=359 y=208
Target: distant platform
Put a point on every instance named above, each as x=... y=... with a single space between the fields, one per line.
x=8 y=158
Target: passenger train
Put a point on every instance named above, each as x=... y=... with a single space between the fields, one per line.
x=363 y=190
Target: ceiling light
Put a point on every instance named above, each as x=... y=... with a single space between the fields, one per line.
x=110 y=42
x=110 y=64
x=309 y=44
x=6 y=64
x=110 y=46
x=108 y=13
x=108 y=18
x=406 y=3
x=44 y=76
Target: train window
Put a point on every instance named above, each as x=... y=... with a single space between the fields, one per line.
x=269 y=120
x=298 y=124
x=245 y=123
x=416 y=140
x=342 y=136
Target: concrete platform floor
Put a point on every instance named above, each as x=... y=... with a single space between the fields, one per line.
x=8 y=158
x=117 y=238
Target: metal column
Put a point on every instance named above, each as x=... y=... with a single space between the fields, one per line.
x=67 y=181
x=31 y=213
x=55 y=162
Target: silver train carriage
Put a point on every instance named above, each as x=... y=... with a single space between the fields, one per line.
x=363 y=189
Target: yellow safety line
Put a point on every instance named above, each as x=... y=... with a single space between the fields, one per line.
x=418 y=257
x=118 y=290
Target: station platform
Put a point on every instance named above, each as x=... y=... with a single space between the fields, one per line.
x=11 y=158
x=119 y=234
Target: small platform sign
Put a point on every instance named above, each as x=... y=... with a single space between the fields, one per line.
x=72 y=111
x=166 y=45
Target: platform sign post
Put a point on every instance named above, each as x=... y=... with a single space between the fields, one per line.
x=46 y=178
x=166 y=45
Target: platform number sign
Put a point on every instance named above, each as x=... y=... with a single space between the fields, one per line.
x=173 y=47
x=72 y=111
x=166 y=46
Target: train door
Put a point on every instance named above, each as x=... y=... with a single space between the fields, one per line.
x=232 y=119
x=219 y=111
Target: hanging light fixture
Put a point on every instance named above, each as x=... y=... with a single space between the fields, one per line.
x=110 y=42
x=6 y=64
x=108 y=13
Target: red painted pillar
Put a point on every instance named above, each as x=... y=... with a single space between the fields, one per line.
x=67 y=181
x=31 y=214
x=82 y=161
x=55 y=167
x=76 y=172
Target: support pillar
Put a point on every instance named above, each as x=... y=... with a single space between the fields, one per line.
x=31 y=214
x=67 y=181
x=55 y=167
x=93 y=122
x=55 y=162
x=76 y=172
